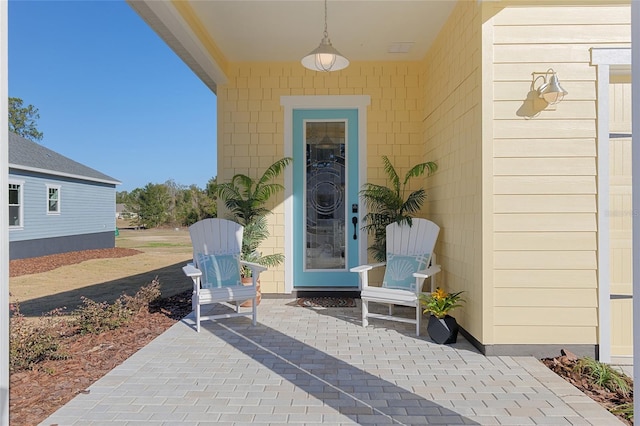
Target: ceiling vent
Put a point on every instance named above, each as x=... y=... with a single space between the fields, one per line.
x=400 y=47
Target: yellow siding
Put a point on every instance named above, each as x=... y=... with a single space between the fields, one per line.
x=453 y=137
x=545 y=241
x=549 y=332
x=544 y=171
x=551 y=298
x=552 y=316
x=548 y=259
x=541 y=222
x=251 y=127
x=551 y=203
x=547 y=278
x=542 y=185
x=555 y=147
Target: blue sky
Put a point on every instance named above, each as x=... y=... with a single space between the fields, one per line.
x=110 y=93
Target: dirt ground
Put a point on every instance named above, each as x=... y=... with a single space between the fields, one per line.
x=49 y=282
x=162 y=253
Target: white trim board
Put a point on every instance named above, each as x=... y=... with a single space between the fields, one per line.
x=608 y=61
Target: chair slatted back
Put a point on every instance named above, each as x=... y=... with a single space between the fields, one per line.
x=419 y=238
x=216 y=236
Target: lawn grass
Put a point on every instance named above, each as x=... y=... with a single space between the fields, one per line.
x=164 y=252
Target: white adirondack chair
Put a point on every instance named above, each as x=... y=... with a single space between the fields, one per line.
x=410 y=260
x=216 y=269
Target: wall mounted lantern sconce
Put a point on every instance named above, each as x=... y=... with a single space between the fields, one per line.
x=325 y=57
x=550 y=90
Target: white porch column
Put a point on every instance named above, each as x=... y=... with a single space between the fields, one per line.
x=4 y=216
x=635 y=87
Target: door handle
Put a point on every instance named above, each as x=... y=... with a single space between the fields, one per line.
x=354 y=220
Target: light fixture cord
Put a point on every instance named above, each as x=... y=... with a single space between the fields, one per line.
x=326 y=34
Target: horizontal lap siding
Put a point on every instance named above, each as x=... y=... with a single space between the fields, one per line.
x=545 y=174
x=85 y=208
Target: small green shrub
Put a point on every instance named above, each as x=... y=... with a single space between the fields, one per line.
x=32 y=342
x=143 y=297
x=603 y=375
x=96 y=318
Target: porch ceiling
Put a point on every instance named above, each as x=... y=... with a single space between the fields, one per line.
x=262 y=30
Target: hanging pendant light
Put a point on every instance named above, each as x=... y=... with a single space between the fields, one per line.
x=325 y=57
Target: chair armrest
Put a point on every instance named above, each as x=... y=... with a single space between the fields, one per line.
x=423 y=275
x=426 y=273
x=363 y=272
x=255 y=267
x=363 y=268
x=195 y=274
x=191 y=271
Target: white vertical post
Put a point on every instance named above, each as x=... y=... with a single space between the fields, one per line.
x=635 y=170
x=4 y=216
x=604 y=244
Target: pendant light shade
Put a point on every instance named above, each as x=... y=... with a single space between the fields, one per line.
x=325 y=57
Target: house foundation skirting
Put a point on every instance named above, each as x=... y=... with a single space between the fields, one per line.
x=538 y=351
x=46 y=246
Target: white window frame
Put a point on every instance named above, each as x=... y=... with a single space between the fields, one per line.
x=49 y=188
x=20 y=184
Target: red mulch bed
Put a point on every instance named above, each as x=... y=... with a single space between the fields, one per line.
x=36 y=265
x=36 y=394
x=564 y=366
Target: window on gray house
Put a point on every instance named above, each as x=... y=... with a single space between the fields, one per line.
x=53 y=199
x=15 y=204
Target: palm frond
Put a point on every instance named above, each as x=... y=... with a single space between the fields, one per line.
x=414 y=201
x=227 y=191
x=271 y=259
x=391 y=174
x=244 y=184
x=264 y=192
x=274 y=170
x=419 y=169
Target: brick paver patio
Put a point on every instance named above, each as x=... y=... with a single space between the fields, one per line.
x=319 y=366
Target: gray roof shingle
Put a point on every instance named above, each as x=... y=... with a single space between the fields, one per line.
x=28 y=155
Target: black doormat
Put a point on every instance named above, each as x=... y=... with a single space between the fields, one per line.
x=327 y=302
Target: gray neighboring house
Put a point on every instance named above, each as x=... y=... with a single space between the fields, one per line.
x=56 y=205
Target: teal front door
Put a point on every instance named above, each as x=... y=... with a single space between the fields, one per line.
x=326 y=219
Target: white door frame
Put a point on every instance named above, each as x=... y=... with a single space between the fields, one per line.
x=359 y=102
x=607 y=60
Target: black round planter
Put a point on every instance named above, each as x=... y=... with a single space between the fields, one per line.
x=443 y=331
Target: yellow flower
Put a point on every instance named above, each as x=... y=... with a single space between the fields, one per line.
x=439 y=294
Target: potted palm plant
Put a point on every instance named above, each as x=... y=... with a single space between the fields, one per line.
x=246 y=197
x=387 y=204
x=442 y=327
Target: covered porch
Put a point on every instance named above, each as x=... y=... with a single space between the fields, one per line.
x=519 y=192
